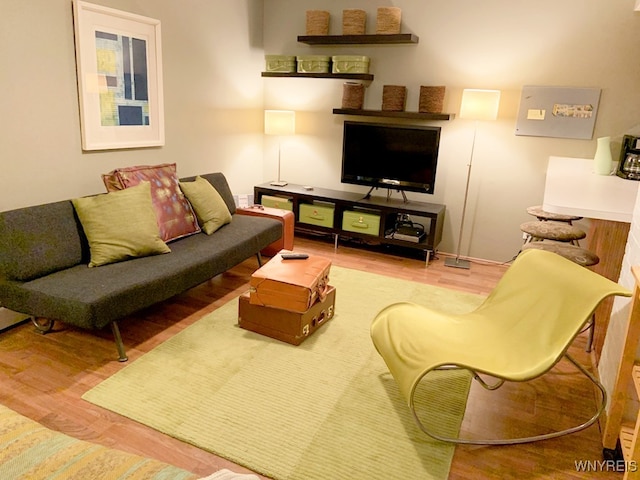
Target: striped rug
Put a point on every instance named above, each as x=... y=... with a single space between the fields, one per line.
x=326 y=409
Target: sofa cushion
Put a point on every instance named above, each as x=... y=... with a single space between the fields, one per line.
x=208 y=204
x=39 y=240
x=120 y=225
x=175 y=216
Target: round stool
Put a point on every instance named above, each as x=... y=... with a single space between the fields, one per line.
x=550 y=230
x=578 y=255
x=542 y=215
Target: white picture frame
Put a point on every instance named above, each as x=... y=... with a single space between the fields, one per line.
x=119 y=69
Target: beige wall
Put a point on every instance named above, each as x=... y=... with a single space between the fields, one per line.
x=213 y=94
x=214 y=97
x=489 y=44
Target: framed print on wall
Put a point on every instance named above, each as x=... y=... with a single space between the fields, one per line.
x=119 y=64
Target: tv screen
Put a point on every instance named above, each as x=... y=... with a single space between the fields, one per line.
x=398 y=157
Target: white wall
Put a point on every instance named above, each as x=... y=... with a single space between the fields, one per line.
x=489 y=44
x=213 y=95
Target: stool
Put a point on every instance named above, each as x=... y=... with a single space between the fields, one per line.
x=542 y=215
x=552 y=230
x=576 y=254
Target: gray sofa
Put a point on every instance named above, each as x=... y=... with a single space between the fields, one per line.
x=44 y=256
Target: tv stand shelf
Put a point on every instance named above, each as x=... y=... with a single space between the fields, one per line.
x=430 y=215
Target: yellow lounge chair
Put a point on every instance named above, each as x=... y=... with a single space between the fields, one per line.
x=521 y=330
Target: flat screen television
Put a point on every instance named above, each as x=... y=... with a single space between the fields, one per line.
x=397 y=157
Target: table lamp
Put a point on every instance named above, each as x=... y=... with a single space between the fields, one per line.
x=279 y=122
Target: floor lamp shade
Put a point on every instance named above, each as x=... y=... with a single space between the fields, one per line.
x=279 y=122
x=479 y=104
x=476 y=105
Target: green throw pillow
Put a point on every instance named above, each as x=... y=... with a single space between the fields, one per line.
x=209 y=206
x=120 y=225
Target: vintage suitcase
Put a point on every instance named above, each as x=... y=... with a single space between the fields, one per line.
x=292 y=285
x=286 y=217
x=290 y=327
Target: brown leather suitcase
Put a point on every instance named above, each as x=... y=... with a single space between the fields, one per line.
x=290 y=327
x=292 y=285
x=285 y=216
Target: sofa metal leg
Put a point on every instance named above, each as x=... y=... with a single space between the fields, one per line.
x=43 y=325
x=122 y=356
x=259 y=257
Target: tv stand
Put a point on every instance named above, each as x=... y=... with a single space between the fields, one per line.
x=389 y=190
x=389 y=211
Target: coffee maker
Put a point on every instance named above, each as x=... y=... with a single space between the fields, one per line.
x=629 y=165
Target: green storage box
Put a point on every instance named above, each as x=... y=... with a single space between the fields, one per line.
x=320 y=214
x=313 y=63
x=350 y=64
x=280 y=63
x=361 y=222
x=276 y=202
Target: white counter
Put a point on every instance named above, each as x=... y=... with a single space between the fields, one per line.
x=573 y=188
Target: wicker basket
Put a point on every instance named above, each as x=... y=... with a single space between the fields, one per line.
x=352 y=95
x=388 y=20
x=317 y=22
x=354 y=21
x=394 y=98
x=431 y=99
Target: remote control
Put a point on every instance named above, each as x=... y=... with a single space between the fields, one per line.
x=294 y=256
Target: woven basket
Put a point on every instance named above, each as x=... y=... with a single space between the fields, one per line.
x=394 y=98
x=354 y=21
x=388 y=20
x=317 y=22
x=352 y=95
x=431 y=99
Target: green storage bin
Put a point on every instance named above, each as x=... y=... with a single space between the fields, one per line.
x=276 y=202
x=350 y=64
x=313 y=63
x=280 y=63
x=317 y=214
x=361 y=222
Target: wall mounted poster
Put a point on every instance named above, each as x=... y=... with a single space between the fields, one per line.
x=561 y=112
x=119 y=63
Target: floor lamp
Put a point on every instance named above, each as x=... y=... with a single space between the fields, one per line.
x=476 y=105
x=279 y=122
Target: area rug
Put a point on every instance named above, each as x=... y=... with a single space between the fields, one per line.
x=326 y=409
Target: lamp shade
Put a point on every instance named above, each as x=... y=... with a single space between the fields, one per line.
x=279 y=122
x=479 y=104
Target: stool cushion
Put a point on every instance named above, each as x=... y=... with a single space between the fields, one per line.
x=578 y=255
x=553 y=231
x=540 y=214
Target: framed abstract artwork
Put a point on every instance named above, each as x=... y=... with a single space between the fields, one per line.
x=119 y=65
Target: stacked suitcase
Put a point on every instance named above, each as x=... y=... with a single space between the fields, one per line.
x=288 y=299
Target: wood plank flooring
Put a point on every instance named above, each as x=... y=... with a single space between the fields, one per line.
x=43 y=377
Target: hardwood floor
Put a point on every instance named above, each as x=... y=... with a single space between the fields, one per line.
x=43 y=377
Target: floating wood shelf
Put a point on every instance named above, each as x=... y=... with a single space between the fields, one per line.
x=358 y=39
x=384 y=113
x=346 y=76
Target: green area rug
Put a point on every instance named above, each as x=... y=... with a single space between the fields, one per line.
x=326 y=409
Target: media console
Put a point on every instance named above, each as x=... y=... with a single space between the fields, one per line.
x=350 y=214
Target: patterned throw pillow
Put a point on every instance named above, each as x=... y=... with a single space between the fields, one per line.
x=175 y=216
